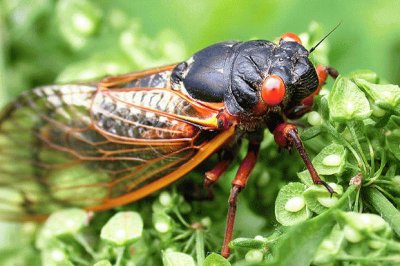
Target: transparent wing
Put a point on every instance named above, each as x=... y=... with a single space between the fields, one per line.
x=98 y=147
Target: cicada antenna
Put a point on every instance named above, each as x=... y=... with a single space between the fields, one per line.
x=326 y=36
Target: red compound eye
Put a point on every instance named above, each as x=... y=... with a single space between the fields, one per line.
x=290 y=37
x=273 y=90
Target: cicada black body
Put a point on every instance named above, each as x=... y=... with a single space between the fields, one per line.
x=105 y=144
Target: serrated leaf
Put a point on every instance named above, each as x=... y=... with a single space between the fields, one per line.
x=347 y=102
x=215 y=259
x=123 y=228
x=285 y=217
x=320 y=161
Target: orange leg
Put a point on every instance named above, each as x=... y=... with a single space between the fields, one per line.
x=286 y=136
x=214 y=174
x=238 y=183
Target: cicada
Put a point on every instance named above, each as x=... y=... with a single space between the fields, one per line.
x=104 y=144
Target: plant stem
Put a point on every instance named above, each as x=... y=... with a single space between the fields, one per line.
x=200 y=247
x=379 y=172
x=332 y=130
x=82 y=241
x=350 y=125
x=120 y=254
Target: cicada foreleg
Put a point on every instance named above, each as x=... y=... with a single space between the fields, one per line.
x=286 y=136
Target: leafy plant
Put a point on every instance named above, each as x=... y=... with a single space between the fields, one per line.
x=353 y=136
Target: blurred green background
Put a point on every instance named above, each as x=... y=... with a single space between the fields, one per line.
x=44 y=41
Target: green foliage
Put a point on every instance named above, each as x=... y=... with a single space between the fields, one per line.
x=353 y=137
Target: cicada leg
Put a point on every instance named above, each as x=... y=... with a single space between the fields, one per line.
x=238 y=183
x=286 y=136
x=225 y=159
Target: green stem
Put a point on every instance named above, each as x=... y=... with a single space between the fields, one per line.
x=200 y=247
x=372 y=155
x=385 y=208
x=184 y=235
x=189 y=243
x=82 y=241
x=379 y=172
x=392 y=245
x=120 y=254
x=384 y=182
x=180 y=218
x=350 y=125
x=332 y=130
x=357 y=201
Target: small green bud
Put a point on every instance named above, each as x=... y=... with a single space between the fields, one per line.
x=332 y=160
x=162 y=222
x=295 y=204
x=377 y=112
x=314 y=118
x=123 y=228
x=351 y=234
x=165 y=198
x=254 y=256
x=172 y=258
x=58 y=255
x=327 y=201
x=375 y=244
x=206 y=222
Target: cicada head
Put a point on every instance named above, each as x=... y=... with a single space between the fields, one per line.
x=268 y=76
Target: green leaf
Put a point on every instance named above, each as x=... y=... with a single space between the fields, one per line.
x=347 y=102
x=78 y=20
x=172 y=258
x=215 y=259
x=123 y=228
x=393 y=142
x=318 y=198
x=310 y=133
x=363 y=222
x=64 y=222
x=385 y=208
x=103 y=263
x=300 y=243
x=55 y=257
x=162 y=222
x=305 y=177
x=330 y=160
x=286 y=194
x=381 y=93
x=330 y=247
x=367 y=75
x=254 y=256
